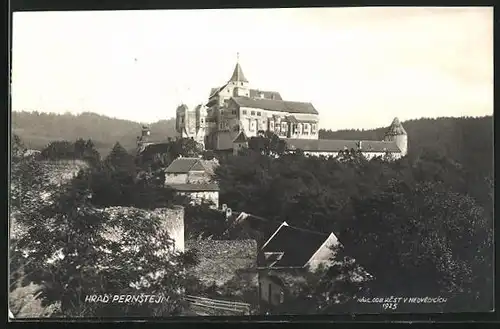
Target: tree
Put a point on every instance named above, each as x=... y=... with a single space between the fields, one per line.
x=267 y=143
x=59 y=150
x=77 y=250
x=426 y=234
x=120 y=160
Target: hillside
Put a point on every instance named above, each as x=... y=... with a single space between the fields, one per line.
x=38 y=129
x=463 y=139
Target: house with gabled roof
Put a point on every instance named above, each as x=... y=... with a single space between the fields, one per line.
x=193 y=177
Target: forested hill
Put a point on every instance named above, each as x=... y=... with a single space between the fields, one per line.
x=463 y=139
x=38 y=129
x=467 y=140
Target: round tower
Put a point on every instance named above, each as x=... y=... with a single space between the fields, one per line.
x=180 y=119
x=397 y=133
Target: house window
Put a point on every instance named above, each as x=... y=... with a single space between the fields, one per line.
x=282 y=297
x=202 y=120
x=182 y=119
x=244 y=111
x=241 y=83
x=252 y=113
x=314 y=128
x=271 y=125
x=233 y=112
x=306 y=128
x=299 y=128
x=259 y=114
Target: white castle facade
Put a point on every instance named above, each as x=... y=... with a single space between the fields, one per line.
x=235 y=112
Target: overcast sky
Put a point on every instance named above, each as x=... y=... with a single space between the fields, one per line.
x=360 y=67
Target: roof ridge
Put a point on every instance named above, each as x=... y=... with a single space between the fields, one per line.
x=309 y=231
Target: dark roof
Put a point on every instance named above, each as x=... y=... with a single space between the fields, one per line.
x=238 y=74
x=291 y=118
x=241 y=138
x=298 y=245
x=395 y=129
x=206 y=187
x=215 y=91
x=276 y=105
x=155 y=148
x=332 y=145
x=255 y=227
x=221 y=259
x=185 y=165
x=254 y=93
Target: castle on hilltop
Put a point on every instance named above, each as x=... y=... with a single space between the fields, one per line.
x=236 y=112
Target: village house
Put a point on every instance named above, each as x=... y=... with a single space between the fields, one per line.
x=193 y=177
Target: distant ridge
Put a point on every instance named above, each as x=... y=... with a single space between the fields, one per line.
x=38 y=129
x=462 y=139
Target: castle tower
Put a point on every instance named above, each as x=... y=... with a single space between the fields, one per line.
x=182 y=120
x=238 y=81
x=144 y=138
x=397 y=133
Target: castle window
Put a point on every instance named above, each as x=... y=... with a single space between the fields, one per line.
x=241 y=83
x=202 y=120
x=244 y=111
x=252 y=113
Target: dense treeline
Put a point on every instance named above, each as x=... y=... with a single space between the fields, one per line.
x=420 y=226
x=38 y=129
x=464 y=139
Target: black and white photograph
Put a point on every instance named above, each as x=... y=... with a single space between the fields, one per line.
x=251 y=162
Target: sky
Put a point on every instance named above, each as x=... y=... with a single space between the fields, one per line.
x=359 y=67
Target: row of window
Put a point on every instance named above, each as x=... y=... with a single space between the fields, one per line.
x=283 y=127
x=258 y=113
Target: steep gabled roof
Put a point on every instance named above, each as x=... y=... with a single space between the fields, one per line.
x=185 y=165
x=276 y=105
x=254 y=93
x=333 y=145
x=396 y=128
x=297 y=245
x=238 y=75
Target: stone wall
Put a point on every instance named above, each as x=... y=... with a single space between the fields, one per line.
x=172 y=219
x=61 y=171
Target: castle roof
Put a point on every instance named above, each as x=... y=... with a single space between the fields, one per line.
x=254 y=93
x=332 y=145
x=276 y=105
x=238 y=75
x=396 y=128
